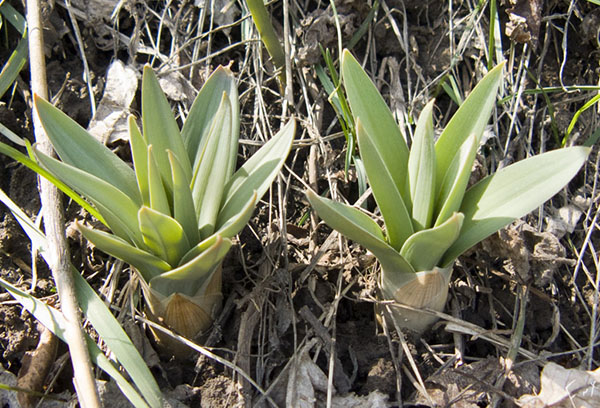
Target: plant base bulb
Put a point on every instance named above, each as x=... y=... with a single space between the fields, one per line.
x=189 y=316
x=428 y=289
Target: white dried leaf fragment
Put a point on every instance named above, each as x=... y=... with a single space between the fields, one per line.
x=109 y=124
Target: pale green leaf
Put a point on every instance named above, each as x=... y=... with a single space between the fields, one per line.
x=257 y=174
x=205 y=162
x=236 y=223
x=217 y=178
x=398 y=223
x=156 y=188
x=139 y=153
x=34 y=166
x=163 y=235
x=455 y=184
x=76 y=147
x=367 y=104
x=424 y=249
x=469 y=121
x=146 y=263
x=421 y=170
x=159 y=126
x=190 y=276
x=359 y=227
x=183 y=203
x=202 y=113
x=104 y=195
x=513 y=192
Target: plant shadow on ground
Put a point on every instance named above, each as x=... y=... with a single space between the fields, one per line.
x=283 y=315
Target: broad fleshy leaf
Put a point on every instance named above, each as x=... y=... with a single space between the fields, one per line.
x=163 y=235
x=513 y=192
x=183 y=203
x=457 y=177
x=146 y=263
x=359 y=227
x=159 y=126
x=34 y=166
x=105 y=196
x=398 y=223
x=139 y=153
x=469 y=121
x=202 y=113
x=257 y=174
x=236 y=223
x=367 y=104
x=76 y=147
x=190 y=276
x=156 y=187
x=217 y=178
x=424 y=249
x=205 y=163
x=421 y=170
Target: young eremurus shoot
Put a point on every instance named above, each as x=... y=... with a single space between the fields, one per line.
x=173 y=215
x=429 y=215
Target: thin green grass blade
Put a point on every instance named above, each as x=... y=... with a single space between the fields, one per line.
x=455 y=184
x=424 y=249
x=218 y=176
x=163 y=235
x=156 y=189
x=77 y=148
x=146 y=263
x=469 y=121
x=139 y=153
x=398 y=223
x=103 y=321
x=116 y=339
x=421 y=170
x=13 y=17
x=183 y=203
x=159 y=126
x=367 y=104
x=203 y=111
x=513 y=192
x=54 y=321
x=32 y=165
x=105 y=196
x=358 y=227
x=261 y=18
x=190 y=276
x=571 y=126
x=14 y=65
x=257 y=174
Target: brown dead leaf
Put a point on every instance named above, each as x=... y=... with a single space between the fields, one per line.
x=35 y=367
x=525 y=18
x=527 y=254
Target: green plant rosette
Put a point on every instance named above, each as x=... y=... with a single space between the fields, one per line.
x=430 y=217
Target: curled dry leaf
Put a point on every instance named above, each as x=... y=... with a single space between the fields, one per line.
x=527 y=253
x=562 y=388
